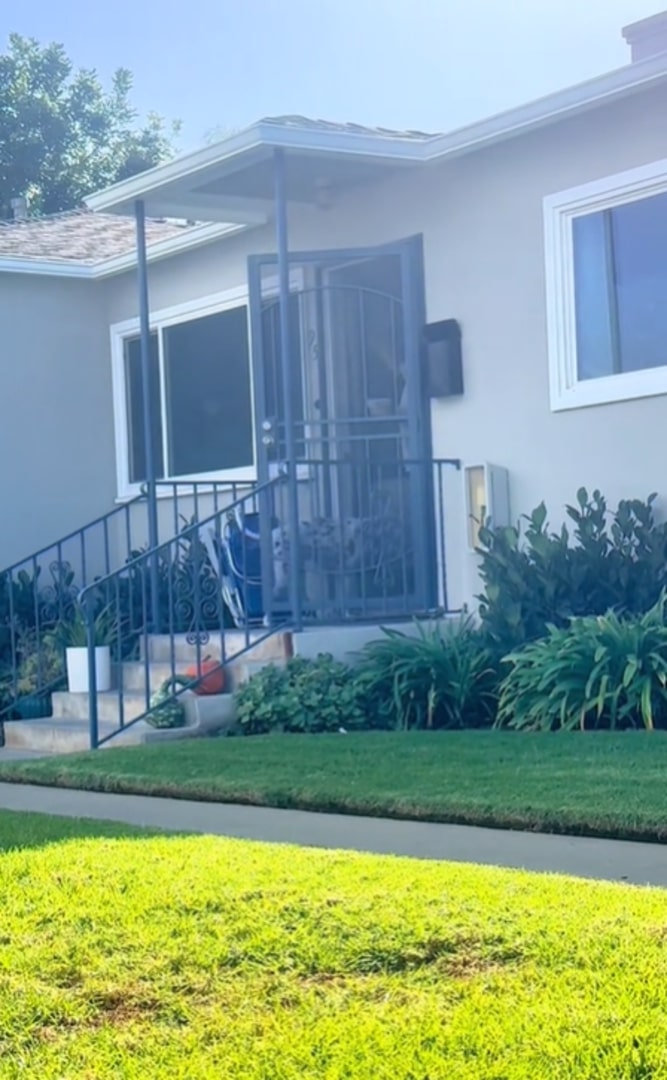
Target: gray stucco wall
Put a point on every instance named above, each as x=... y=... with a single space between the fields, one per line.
x=56 y=421
x=481 y=218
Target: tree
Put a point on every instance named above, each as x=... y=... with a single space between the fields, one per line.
x=62 y=135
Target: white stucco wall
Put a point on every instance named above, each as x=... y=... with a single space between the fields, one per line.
x=481 y=219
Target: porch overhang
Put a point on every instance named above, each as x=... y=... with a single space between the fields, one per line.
x=233 y=180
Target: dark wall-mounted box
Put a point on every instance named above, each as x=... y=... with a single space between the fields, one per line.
x=443 y=360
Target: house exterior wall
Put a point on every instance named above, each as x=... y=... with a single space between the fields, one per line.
x=482 y=225
x=485 y=266
x=56 y=429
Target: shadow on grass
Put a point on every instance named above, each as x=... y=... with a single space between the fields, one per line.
x=20 y=830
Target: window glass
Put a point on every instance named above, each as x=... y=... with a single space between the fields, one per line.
x=208 y=401
x=134 y=395
x=620 y=273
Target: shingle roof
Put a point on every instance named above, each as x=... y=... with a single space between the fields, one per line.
x=307 y=124
x=79 y=236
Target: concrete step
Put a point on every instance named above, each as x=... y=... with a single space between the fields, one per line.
x=131 y=675
x=49 y=736
x=276 y=647
x=63 y=735
x=68 y=706
x=75 y=707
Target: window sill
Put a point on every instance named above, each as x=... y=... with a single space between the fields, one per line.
x=610 y=390
x=168 y=489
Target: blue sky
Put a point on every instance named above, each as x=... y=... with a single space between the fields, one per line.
x=428 y=64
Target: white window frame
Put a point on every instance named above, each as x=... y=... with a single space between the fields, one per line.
x=192 y=309
x=171 y=316
x=567 y=391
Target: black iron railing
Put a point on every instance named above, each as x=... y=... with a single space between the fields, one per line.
x=370 y=546
x=39 y=593
x=371 y=536
x=209 y=607
x=183 y=502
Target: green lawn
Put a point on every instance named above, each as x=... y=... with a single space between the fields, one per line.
x=206 y=959
x=20 y=830
x=600 y=784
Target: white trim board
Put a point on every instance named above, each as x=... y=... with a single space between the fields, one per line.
x=202 y=306
x=119 y=332
x=567 y=391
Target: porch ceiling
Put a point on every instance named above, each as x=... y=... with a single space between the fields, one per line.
x=233 y=181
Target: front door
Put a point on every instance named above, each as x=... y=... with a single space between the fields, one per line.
x=359 y=426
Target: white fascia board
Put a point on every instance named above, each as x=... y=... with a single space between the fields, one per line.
x=135 y=187
x=615 y=84
x=63 y=268
x=266 y=134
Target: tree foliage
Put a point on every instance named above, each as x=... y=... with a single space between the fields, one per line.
x=62 y=135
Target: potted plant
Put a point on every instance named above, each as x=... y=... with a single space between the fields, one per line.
x=72 y=635
x=40 y=671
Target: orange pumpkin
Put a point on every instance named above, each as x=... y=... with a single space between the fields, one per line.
x=210 y=676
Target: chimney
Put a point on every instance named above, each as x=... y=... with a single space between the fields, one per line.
x=19 y=207
x=648 y=37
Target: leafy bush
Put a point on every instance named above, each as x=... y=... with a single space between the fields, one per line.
x=603 y=671
x=443 y=677
x=304 y=696
x=41 y=665
x=613 y=560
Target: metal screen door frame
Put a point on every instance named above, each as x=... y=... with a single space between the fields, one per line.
x=417 y=423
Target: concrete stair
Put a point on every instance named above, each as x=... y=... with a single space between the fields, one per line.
x=276 y=647
x=67 y=731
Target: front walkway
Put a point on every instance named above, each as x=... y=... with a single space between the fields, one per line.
x=613 y=860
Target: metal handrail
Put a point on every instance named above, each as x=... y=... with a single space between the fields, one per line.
x=45 y=611
x=108 y=587
x=121 y=508
x=189 y=530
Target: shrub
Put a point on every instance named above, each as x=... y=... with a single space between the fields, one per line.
x=604 y=671
x=443 y=677
x=304 y=696
x=613 y=560
x=41 y=665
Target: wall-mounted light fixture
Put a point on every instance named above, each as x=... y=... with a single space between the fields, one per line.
x=487 y=496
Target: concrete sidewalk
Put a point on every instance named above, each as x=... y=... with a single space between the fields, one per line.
x=613 y=860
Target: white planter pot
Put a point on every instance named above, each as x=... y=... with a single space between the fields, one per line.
x=77 y=669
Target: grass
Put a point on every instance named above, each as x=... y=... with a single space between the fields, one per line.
x=21 y=830
x=199 y=958
x=596 y=784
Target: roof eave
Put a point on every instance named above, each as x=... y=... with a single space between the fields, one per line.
x=548 y=110
x=63 y=268
x=263 y=136
x=266 y=135
x=118 y=264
